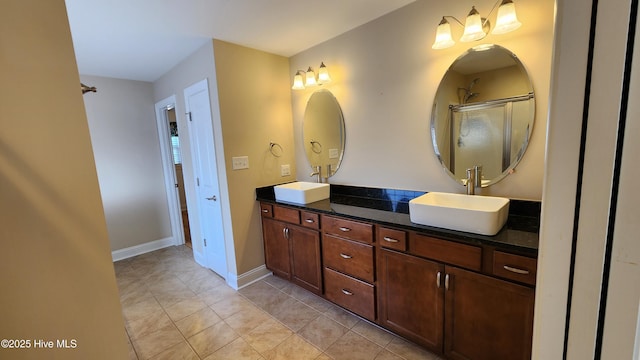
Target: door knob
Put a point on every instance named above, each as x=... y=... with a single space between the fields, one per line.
x=214 y=198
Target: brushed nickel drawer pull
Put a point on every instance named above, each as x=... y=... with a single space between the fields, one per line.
x=438 y=279
x=310 y=221
x=265 y=211
x=345 y=229
x=516 y=270
x=391 y=240
x=345 y=256
x=347 y=292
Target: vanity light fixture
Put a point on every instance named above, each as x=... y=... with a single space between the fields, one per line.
x=476 y=27
x=310 y=79
x=303 y=79
x=298 y=83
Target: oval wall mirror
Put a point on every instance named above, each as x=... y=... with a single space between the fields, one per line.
x=323 y=132
x=483 y=114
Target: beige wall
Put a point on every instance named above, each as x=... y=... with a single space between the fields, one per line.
x=255 y=109
x=385 y=76
x=127 y=155
x=55 y=267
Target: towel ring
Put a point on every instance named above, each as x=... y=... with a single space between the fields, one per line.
x=316 y=147
x=273 y=149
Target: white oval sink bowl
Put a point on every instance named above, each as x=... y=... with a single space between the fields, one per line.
x=484 y=215
x=301 y=192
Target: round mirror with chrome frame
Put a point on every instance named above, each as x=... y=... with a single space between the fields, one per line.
x=483 y=114
x=323 y=133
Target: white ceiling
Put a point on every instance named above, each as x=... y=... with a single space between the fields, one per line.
x=143 y=39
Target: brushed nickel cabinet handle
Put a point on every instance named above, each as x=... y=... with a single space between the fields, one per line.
x=516 y=270
x=265 y=210
x=345 y=256
x=310 y=221
x=438 y=279
x=285 y=232
x=345 y=229
x=391 y=240
x=446 y=281
x=347 y=292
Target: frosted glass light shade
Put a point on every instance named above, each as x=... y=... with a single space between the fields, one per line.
x=310 y=78
x=473 y=27
x=323 y=74
x=443 y=36
x=298 y=83
x=507 y=20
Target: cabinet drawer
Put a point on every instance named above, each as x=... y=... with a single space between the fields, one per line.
x=392 y=239
x=286 y=214
x=350 y=293
x=349 y=257
x=514 y=267
x=449 y=252
x=349 y=229
x=266 y=210
x=310 y=220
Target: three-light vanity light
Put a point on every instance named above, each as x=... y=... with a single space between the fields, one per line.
x=477 y=27
x=304 y=79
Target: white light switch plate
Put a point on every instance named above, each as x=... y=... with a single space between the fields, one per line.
x=285 y=170
x=240 y=162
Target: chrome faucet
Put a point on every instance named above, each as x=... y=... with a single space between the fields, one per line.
x=317 y=173
x=471 y=181
x=477 y=169
x=474 y=179
x=326 y=179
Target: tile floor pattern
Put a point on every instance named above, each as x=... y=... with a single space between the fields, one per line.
x=175 y=309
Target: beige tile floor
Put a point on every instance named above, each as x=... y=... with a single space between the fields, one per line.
x=175 y=309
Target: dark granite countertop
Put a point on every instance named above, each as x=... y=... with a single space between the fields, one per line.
x=520 y=234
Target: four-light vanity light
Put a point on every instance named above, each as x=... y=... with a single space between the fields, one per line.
x=304 y=79
x=476 y=27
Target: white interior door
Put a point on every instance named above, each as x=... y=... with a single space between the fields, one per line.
x=198 y=109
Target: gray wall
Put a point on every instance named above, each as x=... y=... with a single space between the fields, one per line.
x=385 y=76
x=127 y=154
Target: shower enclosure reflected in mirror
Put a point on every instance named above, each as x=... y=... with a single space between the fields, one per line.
x=323 y=132
x=483 y=114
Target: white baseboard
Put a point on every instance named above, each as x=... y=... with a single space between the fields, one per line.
x=239 y=281
x=142 y=248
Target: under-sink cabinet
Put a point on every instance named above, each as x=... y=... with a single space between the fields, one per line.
x=462 y=300
x=429 y=295
x=292 y=251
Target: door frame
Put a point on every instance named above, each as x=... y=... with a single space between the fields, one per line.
x=170 y=178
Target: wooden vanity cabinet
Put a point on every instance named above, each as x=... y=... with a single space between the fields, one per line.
x=293 y=251
x=411 y=298
x=349 y=273
x=486 y=318
x=462 y=300
x=426 y=296
x=276 y=248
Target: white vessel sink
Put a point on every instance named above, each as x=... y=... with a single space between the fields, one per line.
x=484 y=215
x=301 y=192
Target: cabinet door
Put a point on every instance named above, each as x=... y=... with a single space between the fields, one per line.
x=276 y=247
x=487 y=318
x=412 y=298
x=306 y=268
